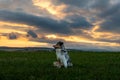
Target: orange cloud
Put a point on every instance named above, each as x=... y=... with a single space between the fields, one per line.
x=80 y=39
x=2 y=30
x=101 y=35
x=56 y=10
x=13 y=24
x=21 y=42
x=8 y=27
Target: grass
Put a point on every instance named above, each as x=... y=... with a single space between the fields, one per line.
x=39 y=66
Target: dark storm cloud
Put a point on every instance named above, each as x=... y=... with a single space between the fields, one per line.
x=79 y=21
x=112 y=24
x=47 y=24
x=12 y=36
x=32 y=34
x=19 y=5
x=40 y=22
x=107 y=10
x=112 y=41
x=100 y=4
x=79 y=3
x=52 y=41
x=111 y=11
x=112 y=19
x=87 y=4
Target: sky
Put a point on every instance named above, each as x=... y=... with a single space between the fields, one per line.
x=80 y=24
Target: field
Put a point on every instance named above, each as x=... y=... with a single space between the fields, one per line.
x=39 y=66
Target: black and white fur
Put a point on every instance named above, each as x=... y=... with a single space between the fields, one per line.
x=62 y=56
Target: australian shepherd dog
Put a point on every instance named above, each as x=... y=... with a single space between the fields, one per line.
x=63 y=58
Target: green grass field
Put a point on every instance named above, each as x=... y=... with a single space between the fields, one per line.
x=39 y=66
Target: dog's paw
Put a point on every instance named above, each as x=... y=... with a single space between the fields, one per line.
x=56 y=64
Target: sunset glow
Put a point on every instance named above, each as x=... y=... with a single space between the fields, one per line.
x=83 y=40
x=42 y=23
x=21 y=42
x=51 y=8
x=51 y=36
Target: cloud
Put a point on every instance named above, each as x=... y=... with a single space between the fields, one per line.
x=111 y=40
x=87 y=4
x=50 y=7
x=112 y=24
x=100 y=5
x=50 y=41
x=79 y=3
x=79 y=22
x=110 y=11
x=20 y=43
x=21 y=6
x=12 y=35
x=32 y=34
x=112 y=18
x=83 y=23
x=47 y=24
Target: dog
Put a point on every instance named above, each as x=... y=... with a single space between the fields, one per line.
x=63 y=58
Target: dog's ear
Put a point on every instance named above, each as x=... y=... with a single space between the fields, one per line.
x=61 y=43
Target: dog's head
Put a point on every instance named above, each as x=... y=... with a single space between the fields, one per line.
x=58 y=45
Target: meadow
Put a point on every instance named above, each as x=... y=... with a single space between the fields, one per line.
x=38 y=65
